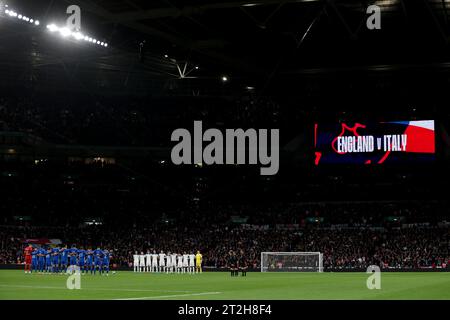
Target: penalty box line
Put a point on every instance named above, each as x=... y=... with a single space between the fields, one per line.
x=173 y=296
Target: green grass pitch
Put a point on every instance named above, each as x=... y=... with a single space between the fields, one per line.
x=14 y=284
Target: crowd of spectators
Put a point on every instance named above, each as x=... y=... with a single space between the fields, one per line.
x=140 y=211
x=415 y=245
x=144 y=216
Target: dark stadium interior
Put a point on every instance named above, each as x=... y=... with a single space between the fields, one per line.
x=85 y=130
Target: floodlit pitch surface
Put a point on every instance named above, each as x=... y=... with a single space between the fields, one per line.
x=14 y=284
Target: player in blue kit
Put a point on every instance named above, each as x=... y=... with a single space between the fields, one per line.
x=60 y=260
x=48 y=261
x=89 y=260
x=73 y=254
x=81 y=259
x=106 y=259
x=64 y=258
x=34 y=260
x=41 y=259
x=55 y=260
x=98 y=255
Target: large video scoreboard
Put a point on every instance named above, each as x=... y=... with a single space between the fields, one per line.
x=374 y=143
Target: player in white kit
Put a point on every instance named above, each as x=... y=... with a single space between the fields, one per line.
x=180 y=263
x=142 y=262
x=185 y=262
x=191 y=263
x=169 y=262
x=135 y=261
x=162 y=262
x=154 y=261
x=148 y=264
x=174 y=262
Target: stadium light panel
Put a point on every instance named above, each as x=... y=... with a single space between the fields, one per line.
x=78 y=35
x=52 y=27
x=19 y=16
x=65 y=32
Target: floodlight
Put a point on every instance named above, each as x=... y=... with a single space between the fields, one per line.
x=78 y=35
x=65 y=32
x=52 y=27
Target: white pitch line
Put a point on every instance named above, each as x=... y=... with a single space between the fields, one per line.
x=173 y=295
x=143 y=290
x=99 y=289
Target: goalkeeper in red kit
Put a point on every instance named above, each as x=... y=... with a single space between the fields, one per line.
x=27 y=253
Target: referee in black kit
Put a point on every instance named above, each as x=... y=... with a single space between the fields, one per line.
x=243 y=265
x=232 y=262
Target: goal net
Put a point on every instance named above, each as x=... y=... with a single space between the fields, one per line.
x=291 y=262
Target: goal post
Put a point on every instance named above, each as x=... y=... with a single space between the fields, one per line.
x=291 y=262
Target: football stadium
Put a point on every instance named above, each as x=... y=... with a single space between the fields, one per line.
x=224 y=150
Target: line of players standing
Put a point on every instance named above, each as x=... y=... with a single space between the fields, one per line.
x=169 y=263
x=61 y=260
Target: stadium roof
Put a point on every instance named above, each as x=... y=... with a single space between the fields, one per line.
x=253 y=41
